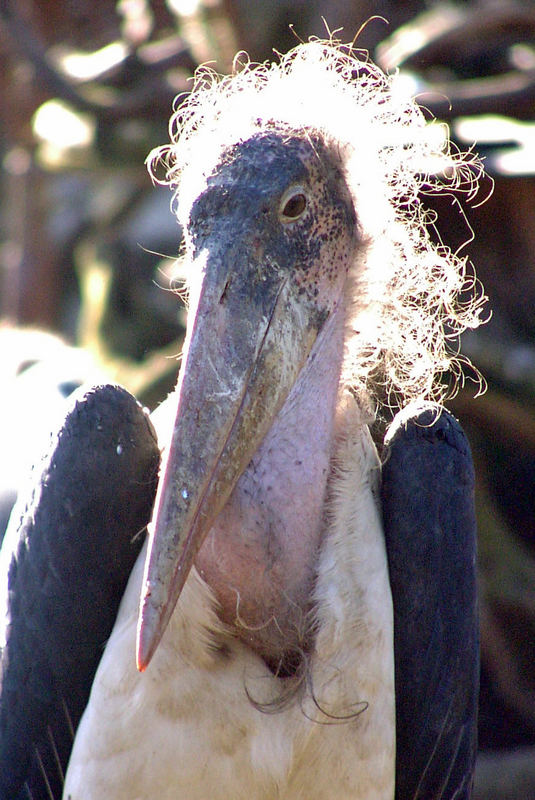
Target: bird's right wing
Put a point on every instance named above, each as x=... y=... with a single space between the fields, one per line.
x=67 y=556
x=430 y=531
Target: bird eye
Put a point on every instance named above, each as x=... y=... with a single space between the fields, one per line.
x=293 y=206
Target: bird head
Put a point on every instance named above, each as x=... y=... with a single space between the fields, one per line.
x=271 y=239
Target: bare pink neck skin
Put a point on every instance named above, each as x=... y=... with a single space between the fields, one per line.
x=260 y=556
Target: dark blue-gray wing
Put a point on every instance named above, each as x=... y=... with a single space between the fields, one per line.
x=77 y=540
x=430 y=530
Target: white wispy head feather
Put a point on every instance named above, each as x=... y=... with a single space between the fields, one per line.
x=406 y=315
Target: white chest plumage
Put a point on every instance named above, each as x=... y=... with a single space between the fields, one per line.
x=190 y=727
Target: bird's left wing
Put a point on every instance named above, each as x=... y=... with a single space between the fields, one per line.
x=430 y=531
x=66 y=558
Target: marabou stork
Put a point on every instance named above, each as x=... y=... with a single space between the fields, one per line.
x=266 y=642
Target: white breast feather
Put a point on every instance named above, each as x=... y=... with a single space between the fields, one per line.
x=186 y=728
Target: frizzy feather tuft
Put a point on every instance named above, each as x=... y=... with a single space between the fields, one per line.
x=412 y=297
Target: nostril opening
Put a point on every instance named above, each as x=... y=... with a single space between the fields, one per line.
x=224 y=292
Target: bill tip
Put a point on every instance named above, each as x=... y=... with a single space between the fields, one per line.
x=148 y=636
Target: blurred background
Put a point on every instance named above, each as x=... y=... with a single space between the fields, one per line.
x=88 y=247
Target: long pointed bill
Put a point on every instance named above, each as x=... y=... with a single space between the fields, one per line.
x=248 y=338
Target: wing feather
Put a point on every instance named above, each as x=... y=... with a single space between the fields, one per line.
x=77 y=537
x=430 y=530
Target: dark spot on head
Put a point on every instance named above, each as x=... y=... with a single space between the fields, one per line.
x=66 y=388
x=24 y=365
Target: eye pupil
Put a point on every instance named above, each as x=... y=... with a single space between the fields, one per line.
x=295 y=206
